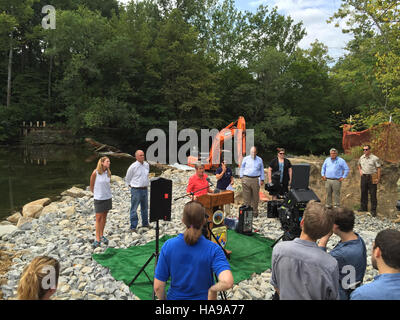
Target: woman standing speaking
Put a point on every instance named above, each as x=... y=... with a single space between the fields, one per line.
x=100 y=186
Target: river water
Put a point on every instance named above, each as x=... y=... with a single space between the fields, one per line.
x=31 y=172
x=28 y=173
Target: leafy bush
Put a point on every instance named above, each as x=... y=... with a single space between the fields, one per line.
x=355 y=153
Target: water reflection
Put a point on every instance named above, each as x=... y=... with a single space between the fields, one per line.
x=10 y=192
x=28 y=173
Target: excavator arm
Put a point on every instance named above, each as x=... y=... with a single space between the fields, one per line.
x=238 y=128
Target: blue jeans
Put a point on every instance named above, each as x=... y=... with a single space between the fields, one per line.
x=138 y=196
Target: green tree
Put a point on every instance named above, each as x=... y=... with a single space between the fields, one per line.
x=310 y=99
x=188 y=86
x=270 y=29
x=227 y=33
x=376 y=25
x=14 y=14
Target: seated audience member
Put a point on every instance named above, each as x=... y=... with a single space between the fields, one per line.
x=385 y=258
x=302 y=271
x=190 y=260
x=39 y=279
x=350 y=251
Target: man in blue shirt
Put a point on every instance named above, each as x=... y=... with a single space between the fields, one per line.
x=333 y=171
x=350 y=252
x=386 y=259
x=224 y=176
x=251 y=171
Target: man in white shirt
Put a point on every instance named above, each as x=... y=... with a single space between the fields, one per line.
x=137 y=178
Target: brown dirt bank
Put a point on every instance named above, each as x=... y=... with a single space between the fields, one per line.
x=350 y=192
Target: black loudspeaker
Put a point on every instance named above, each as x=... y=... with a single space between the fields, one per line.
x=160 y=199
x=302 y=196
x=272 y=208
x=300 y=176
x=245 y=224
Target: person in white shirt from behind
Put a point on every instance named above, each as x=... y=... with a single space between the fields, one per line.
x=137 y=178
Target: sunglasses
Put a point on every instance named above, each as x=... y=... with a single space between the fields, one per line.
x=365 y=149
x=281 y=153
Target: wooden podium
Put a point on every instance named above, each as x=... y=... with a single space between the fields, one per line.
x=213 y=202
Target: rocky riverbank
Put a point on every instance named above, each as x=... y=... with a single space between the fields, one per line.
x=65 y=230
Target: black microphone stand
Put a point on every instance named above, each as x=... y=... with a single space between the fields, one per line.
x=153 y=255
x=191 y=193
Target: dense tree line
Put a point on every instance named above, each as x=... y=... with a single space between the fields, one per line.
x=201 y=62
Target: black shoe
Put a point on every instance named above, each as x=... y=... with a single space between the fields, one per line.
x=373 y=213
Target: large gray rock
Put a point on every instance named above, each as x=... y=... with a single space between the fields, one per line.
x=5 y=230
x=25 y=223
x=74 y=192
x=70 y=211
x=116 y=178
x=51 y=208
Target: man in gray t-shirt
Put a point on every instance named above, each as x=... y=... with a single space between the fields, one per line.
x=302 y=271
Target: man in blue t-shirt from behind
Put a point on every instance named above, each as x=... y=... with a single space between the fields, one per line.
x=350 y=252
x=385 y=258
x=190 y=260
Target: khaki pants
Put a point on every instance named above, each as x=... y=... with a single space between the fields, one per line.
x=251 y=189
x=227 y=209
x=333 y=187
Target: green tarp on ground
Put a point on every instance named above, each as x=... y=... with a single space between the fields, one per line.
x=250 y=254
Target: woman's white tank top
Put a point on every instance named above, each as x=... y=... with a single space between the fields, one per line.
x=102 y=188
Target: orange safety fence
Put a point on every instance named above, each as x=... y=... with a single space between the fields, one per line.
x=384 y=140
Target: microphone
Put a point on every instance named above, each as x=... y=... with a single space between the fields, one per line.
x=209 y=181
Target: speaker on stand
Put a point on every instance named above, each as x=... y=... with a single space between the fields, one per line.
x=160 y=209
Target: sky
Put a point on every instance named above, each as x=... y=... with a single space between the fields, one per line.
x=313 y=14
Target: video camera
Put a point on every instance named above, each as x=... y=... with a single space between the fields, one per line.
x=273 y=187
x=292 y=209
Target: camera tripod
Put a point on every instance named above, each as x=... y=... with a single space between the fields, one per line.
x=153 y=255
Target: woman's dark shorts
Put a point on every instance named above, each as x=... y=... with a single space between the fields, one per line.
x=101 y=206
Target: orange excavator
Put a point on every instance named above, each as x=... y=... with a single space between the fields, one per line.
x=235 y=128
x=214 y=157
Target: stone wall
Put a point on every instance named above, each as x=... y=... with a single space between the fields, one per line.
x=50 y=136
